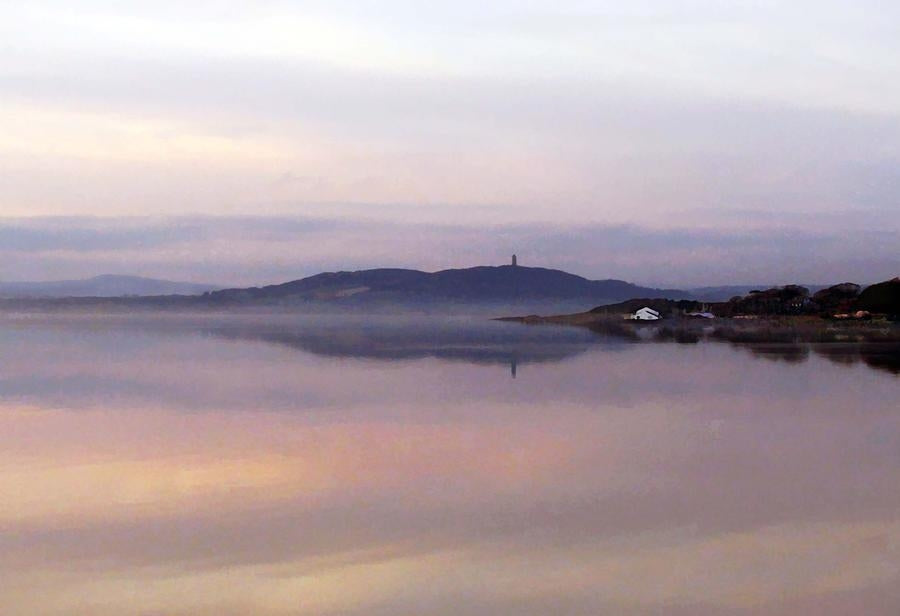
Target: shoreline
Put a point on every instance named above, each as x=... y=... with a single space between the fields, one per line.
x=762 y=330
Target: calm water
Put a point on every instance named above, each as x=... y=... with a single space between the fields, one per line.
x=179 y=466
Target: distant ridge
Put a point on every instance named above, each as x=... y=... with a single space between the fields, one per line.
x=726 y=292
x=106 y=285
x=475 y=284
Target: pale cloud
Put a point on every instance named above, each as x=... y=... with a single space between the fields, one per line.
x=592 y=112
x=706 y=249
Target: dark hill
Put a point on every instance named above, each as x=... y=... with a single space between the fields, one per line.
x=476 y=284
x=883 y=297
x=327 y=285
x=837 y=298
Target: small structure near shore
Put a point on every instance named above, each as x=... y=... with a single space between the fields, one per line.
x=858 y=315
x=645 y=314
x=700 y=315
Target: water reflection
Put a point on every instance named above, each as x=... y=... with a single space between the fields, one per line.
x=472 y=340
x=203 y=468
x=487 y=342
x=477 y=341
x=878 y=356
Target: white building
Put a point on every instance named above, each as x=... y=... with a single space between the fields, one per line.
x=646 y=314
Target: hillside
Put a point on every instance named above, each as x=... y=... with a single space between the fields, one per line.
x=476 y=284
x=724 y=293
x=883 y=297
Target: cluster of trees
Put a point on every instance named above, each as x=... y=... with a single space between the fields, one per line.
x=844 y=298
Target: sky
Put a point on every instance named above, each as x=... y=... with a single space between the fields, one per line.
x=684 y=142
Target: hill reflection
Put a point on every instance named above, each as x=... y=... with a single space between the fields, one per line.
x=471 y=342
x=196 y=464
x=476 y=341
x=513 y=344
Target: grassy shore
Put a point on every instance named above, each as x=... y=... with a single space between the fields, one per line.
x=775 y=329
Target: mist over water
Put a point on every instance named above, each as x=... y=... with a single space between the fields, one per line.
x=347 y=465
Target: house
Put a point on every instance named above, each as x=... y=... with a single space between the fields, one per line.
x=645 y=314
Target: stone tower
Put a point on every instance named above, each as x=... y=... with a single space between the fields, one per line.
x=514 y=261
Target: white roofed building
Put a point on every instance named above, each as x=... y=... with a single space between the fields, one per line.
x=646 y=314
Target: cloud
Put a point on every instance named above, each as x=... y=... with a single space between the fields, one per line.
x=76 y=237
x=694 y=143
x=257 y=250
x=584 y=114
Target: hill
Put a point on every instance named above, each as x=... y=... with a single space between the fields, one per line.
x=108 y=285
x=883 y=297
x=476 y=284
x=725 y=293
